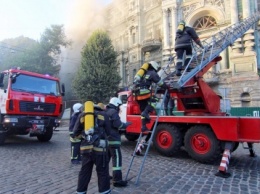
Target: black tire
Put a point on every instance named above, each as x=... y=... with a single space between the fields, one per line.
x=167 y=139
x=131 y=137
x=46 y=136
x=2 y=137
x=202 y=145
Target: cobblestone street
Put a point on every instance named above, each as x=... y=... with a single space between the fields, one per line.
x=29 y=166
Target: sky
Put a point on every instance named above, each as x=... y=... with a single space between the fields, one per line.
x=29 y=18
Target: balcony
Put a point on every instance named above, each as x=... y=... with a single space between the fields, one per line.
x=151 y=44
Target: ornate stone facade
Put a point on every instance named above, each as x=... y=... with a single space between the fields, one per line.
x=144 y=30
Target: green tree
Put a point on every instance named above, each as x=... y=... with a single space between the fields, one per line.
x=97 y=78
x=39 y=56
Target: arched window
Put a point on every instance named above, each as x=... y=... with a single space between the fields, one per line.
x=204 y=22
x=245 y=99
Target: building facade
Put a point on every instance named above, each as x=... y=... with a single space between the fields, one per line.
x=144 y=30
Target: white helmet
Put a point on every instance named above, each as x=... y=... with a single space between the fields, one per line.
x=155 y=65
x=77 y=107
x=115 y=101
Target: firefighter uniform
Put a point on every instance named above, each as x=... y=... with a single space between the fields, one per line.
x=144 y=98
x=146 y=101
x=114 y=140
x=95 y=153
x=183 y=43
x=75 y=141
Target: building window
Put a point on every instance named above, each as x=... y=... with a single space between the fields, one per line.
x=204 y=23
x=245 y=99
x=134 y=72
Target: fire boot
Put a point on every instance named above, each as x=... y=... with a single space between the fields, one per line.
x=120 y=183
x=178 y=69
x=138 y=151
x=144 y=122
x=187 y=60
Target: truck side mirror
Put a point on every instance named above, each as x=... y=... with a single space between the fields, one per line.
x=62 y=89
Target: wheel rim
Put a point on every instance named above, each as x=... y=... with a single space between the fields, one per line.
x=164 y=139
x=200 y=143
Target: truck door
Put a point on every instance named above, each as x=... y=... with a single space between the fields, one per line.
x=122 y=114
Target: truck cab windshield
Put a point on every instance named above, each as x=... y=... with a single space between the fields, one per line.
x=32 y=84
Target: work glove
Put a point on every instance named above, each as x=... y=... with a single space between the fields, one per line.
x=164 y=86
x=102 y=143
x=127 y=124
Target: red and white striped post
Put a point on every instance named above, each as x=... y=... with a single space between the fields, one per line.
x=223 y=167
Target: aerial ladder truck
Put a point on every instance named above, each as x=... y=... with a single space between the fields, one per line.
x=204 y=130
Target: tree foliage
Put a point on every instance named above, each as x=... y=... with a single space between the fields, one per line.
x=38 y=56
x=97 y=78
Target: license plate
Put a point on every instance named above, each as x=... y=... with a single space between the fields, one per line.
x=41 y=127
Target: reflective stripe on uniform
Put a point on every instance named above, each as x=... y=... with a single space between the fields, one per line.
x=99 y=149
x=88 y=147
x=106 y=192
x=75 y=140
x=117 y=167
x=114 y=142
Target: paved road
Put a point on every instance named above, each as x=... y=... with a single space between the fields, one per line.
x=28 y=166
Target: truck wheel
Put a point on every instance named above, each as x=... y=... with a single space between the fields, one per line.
x=202 y=145
x=131 y=137
x=167 y=139
x=46 y=136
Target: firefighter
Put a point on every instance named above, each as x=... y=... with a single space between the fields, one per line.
x=75 y=141
x=183 y=43
x=114 y=140
x=94 y=150
x=144 y=98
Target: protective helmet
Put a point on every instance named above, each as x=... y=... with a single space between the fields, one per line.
x=115 y=101
x=155 y=65
x=77 y=107
x=182 y=22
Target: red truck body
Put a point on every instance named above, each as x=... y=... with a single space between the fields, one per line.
x=30 y=103
x=203 y=129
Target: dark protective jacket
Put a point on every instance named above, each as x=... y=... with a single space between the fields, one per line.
x=73 y=120
x=146 y=81
x=183 y=38
x=102 y=128
x=114 y=140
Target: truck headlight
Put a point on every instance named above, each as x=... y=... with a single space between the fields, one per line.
x=10 y=120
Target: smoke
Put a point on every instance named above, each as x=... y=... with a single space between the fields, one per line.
x=84 y=17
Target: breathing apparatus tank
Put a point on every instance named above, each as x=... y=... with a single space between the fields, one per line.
x=141 y=72
x=89 y=117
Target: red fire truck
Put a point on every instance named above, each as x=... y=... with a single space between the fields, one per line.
x=30 y=103
x=203 y=129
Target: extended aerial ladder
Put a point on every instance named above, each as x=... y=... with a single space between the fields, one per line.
x=191 y=90
x=213 y=46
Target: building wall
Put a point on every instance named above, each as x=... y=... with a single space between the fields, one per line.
x=144 y=30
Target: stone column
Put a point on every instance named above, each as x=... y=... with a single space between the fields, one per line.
x=234 y=11
x=237 y=46
x=249 y=39
x=174 y=24
x=166 y=29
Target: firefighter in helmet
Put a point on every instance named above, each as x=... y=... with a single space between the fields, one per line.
x=75 y=140
x=114 y=140
x=144 y=98
x=183 y=43
x=94 y=150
